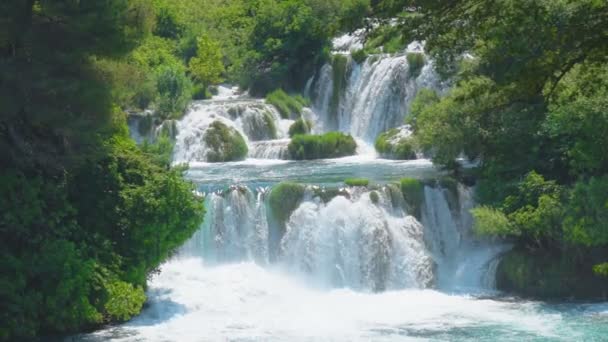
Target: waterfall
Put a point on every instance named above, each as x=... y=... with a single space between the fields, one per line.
x=375 y=97
x=271 y=149
x=362 y=238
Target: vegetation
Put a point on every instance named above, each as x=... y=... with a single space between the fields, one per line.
x=374 y=197
x=329 y=145
x=533 y=112
x=393 y=145
x=288 y=106
x=224 y=143
x=415 y=62
x=413 y=193
x=284 y=199
x=356 y=182
x=301 y=126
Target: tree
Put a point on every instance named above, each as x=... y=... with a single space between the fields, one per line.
x=207 y=66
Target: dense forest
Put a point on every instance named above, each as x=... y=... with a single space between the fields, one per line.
x=86 y=215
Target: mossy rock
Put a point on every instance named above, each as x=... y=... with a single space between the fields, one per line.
x=224 y=143
x=359 y=56
x=356 y=182
x=328 y=194
x=301 y=126
x=288 y=106
x=329 y=145
x=374 y=197
x=284 y=198
x=340 y=69
x=416 y=62
x=391 y=146
x=549 y=276
x=413 y=194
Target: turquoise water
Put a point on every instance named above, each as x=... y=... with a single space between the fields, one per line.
x=193 y=300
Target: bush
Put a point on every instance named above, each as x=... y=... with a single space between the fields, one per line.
x=356 y=182
x=491 y=222
x=301 y=126
x=175 y=91
x=224 y=143
x=415 y=62
x=413 y=193
x=125 y=300
x=284 y=199
x=390 y=146
x=329 y=145
x=288 y=106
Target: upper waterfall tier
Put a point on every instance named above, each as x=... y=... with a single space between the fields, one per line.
x=368 y=98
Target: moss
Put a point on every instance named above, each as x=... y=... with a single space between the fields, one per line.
x=402 y=149
x=272 y=128
x=284 y=199
x=387 y=37
x=356 y=182
x=288 y=106
x=329 y=145
x=548 y=276
x=339 y=67
x=374 y=197
x=416 y=62
x=413 y=193
x=326 y=195
x=359 y=56
x=301 y=126
x=224 y=143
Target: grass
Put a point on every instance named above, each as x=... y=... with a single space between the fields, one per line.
x=329 y=145
x=288 y=106
x=301 y=126
x=356 y=182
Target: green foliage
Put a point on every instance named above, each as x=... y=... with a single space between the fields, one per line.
x=391 y=146
x=415 y=62
x=601 y=269
x=329 y=145
x=284 y=198
x=386 y=38
x=301 y=126
x=339 y=67
x=413 y=193
x=356 y=182
x=288 y=106
x=492 y=222
x=225 y=143
x=161 y=151
x=175 y=91
x=207 y=66
x=586 y=222
x=125 y=300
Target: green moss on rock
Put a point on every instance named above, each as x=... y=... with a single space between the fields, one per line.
x=374 y=197
x=339 y=67
x=548 y=276
x=359 y=56
x=301 y=126
x=288 y=106
x=413 y=193
x=329 y=145
x=356 y=182
x=224 y=143
x=390 y=146
x=328 y=194
x=284 y=199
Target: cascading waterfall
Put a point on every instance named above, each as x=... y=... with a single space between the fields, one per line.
x=351 y=240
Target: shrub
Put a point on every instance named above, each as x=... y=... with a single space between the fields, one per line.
x=391 y=147
x=413 y=193
x=175 y=91
x=491 y=222
x=301 y=126
x=288 y=106
x=329 y=145
x=125 y=300
x=356 y=182
x=284 y=199
x=415 y=61
x=224 y=143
